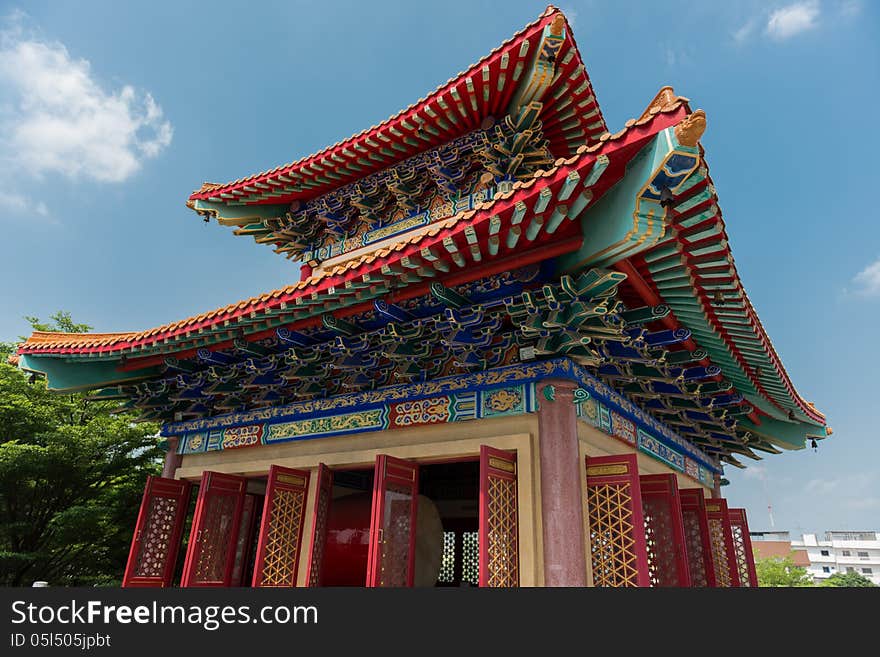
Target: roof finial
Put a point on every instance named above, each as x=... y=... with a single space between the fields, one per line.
x=664 y=98
x=691 y=128
x=558 y=24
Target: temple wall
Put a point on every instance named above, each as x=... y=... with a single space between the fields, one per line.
x=593 y=442
x=422 y=443
x=435 y=442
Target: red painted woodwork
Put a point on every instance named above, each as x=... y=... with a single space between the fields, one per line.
x=499 y=521
x=723 y=550
x=664 y=530
x=347 y=541
x=243 y=543
x=620 y=150
x=318 y=537
x=391 y=557
x=490 y=95
x=281 y=528
x=494 y=266
x=562 y=503
x=742 y=543
x=210 y=555
x=156 y=539
x=697 y=539
x=618 y=551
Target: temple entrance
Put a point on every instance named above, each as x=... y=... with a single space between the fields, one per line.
x=453 y=491
x=397 y=523
x=446 y=528
x=347 y=540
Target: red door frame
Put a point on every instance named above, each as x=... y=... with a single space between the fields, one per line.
x=663 y=490
x=281 y=479
x=156 y=487
x=738 y=519
x=390 y=470
x=320 y=513
x=716 y=509
x=213 y=484
x=624 y=469
x=693 y=501
x=496 y=464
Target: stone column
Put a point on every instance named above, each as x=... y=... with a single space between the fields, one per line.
x=172 y=458
x=561 y=503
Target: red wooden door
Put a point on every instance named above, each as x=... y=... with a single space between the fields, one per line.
x=281 y=529
x=723 y=553
x=156 y=540
x=498 y=541
x=742 y=548
x=697 y=539
x=391 y=557
x=243 y=543
x=323 y=497
x=664 y=530
x=210 y=555
x=618 y=553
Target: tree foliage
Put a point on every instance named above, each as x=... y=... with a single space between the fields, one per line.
x=781 y=571
x=71 y=479
x=848 y=580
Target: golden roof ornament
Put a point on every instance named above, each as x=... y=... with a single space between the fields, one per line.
x=691 y=128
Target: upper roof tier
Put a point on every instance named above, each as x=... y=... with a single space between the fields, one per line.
x=472 y=99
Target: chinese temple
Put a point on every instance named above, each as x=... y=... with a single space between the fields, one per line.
x=518 y=353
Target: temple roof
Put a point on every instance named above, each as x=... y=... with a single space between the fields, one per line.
x=463 y=103
x=628 y=270
x=656 y=117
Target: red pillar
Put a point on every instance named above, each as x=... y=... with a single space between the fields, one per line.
x=561 y=503
x=172 y=458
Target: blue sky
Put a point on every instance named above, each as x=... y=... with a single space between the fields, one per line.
x=110 y=115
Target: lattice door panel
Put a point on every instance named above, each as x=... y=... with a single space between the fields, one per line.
x=156 y=540
x=281 y=528
x=721 y=537
x=664 y=531
x=699 y=546
x=742 y=548
x=323 y=496
x=618 y=550
x=210 y=556
x=499 y=520
x=391 y=557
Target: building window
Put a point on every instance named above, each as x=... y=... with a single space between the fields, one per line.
x=826 y=569
x=862 y=555
x=850 y=569
x=824 y=553
x=868 y=571
x=845 y=553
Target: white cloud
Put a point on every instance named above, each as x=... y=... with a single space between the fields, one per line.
x=57 y=118
x=758 y=472
x=19 y=204
x=822 y=486
x=742 y=34
x=793 y=19
x=868 y=280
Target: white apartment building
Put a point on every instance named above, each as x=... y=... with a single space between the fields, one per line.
x=842 y=552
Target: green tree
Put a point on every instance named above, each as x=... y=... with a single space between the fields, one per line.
x=848 y=579
x=781 y=571
x=71 y=477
